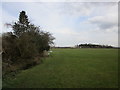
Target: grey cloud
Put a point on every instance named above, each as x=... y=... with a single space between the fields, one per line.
x=104 y=25
x=75 y=8
x=105 y=22
x=83 y=8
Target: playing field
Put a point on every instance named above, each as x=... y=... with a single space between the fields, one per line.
x=71 y=68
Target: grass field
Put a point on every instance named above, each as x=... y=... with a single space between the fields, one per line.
x=71 y=68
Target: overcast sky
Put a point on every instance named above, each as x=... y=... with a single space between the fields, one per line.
x=70 y=23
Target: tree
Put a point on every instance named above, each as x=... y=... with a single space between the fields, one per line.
x=22 y=25
x=26 y=41
x=23 y=18
x=24 y=44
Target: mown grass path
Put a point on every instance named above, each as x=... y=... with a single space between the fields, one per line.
x=71 y=68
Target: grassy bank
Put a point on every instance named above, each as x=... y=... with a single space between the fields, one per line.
x=71 y=68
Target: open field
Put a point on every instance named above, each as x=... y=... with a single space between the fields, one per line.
x=71 y=68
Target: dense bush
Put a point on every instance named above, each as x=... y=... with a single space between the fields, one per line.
x=24 y=43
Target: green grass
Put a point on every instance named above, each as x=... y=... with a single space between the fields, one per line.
x=71 y=68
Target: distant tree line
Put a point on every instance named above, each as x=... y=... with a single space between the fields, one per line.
x=24 y=46
x=93 y=46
